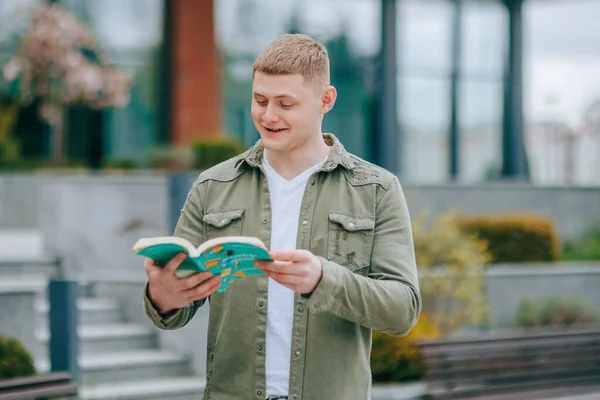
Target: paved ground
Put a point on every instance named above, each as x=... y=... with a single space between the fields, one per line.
x=417 y=390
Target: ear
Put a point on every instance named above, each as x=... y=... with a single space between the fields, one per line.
x=328 y=98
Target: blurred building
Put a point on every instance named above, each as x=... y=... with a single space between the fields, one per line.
x=436 y=90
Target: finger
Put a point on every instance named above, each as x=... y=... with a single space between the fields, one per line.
x=285 y=279
x=174 y=263
x=294 y=255
x=205 y=289
x=282 y=267
x=194 y=280
x=151 y=267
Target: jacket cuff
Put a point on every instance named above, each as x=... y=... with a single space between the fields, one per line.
x=161 y=320
x=323 y=297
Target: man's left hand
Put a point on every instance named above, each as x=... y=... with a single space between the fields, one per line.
x=298 y=270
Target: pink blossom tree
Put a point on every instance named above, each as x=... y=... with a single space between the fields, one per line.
x=58 y=61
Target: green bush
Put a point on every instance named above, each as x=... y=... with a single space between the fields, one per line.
x=15 y=361
x=554 y=311
x=175 y=158
x=514 y=238
x=121 y=164
x=586 y=248
x=452 y=270
x=397 y=358
x=9 y=146
x=211 y=151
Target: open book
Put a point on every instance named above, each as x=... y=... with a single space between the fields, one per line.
x=231 y=257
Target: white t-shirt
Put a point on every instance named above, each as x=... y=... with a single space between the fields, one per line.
x=286 y=198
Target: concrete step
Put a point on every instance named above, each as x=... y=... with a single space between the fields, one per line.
x=25 y=266
x=21 y=243
x=92 y=311
x=111 y=368
x=98 y=339
x=131 y=366
x=189 y=388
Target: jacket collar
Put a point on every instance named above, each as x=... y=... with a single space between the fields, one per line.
x=337 y=157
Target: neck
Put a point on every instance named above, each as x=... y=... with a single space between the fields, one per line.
x=292 y=163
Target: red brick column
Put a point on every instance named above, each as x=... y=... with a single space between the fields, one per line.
x=195 y=69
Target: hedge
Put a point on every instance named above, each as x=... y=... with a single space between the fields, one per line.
x=515 y=238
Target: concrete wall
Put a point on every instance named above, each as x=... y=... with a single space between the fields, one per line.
x=19 y=201
x=23 y=204
x=92 y=222
x=508 y=285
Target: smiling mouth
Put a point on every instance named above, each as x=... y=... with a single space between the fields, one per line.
x=279 y=130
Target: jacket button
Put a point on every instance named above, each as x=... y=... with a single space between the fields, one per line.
x=305 y=222
x=313 y=184
x=265 y=219
x=259 y=348
x=260 y=303
x=300 y=309
x=259 y=393
x=297 y=353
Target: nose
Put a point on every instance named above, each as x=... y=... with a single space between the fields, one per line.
x=270 y=116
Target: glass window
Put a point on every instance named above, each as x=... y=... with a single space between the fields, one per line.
x=424 y=37
x=480 y=120
x=561 y=89
x=424 y=30
x=483 y=39
x=131 y=24
x=424 y=116
x=480 y=106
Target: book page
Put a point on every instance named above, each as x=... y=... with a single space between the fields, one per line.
x=147 y=242
x=230 y=239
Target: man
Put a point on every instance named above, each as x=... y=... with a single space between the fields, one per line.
x=340 y=236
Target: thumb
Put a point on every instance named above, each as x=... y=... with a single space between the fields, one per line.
x=175 y=262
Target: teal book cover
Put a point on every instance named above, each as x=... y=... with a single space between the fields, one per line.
x=231 y=257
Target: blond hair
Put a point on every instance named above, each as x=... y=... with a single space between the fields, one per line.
x=292 y=54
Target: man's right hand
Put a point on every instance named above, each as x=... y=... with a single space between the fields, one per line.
x=168 y=292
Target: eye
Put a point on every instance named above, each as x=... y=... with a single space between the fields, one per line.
x=261 y=103
x=287 y=105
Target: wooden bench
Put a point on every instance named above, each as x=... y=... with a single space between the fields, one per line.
x=39 y=387
x=509 y=364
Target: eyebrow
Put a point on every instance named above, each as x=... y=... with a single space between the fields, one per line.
x=281 y=96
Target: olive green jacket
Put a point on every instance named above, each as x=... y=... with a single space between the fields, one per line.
x=354 y=217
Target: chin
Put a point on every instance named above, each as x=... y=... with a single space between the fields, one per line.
x=276 y=142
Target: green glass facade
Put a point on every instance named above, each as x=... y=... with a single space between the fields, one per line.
x=451 y=80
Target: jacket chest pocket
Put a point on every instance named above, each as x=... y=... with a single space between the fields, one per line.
x=223 y=223
x=350 y=240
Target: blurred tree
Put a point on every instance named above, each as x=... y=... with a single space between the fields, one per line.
x=57 y=61
x=451 y=270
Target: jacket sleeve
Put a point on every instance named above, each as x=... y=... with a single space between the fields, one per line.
x=191 y=227
x=388 y=299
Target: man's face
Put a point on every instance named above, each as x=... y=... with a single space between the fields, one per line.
x=287 y=111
